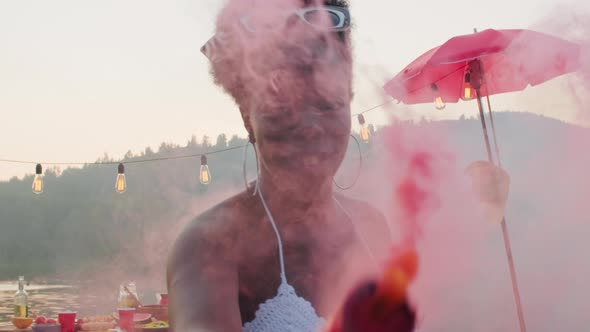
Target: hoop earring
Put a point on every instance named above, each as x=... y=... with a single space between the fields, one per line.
x=245 y=171
x=358 y=173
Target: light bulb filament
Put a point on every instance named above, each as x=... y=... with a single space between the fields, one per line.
x=121 y=185
x=204 y=173
x=205 y=177
x=364 y=130
x=38 y=181
x=439 y=103
x=365 y=134
x=467 y=93
x=121 y=182
x=38 y=184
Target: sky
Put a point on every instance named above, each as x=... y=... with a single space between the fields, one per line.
x=82 y=78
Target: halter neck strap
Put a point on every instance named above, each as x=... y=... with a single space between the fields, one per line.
x=280 y=242
x=274 y=227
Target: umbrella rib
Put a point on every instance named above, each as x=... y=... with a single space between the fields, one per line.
x=468 y=59
x=440 y=79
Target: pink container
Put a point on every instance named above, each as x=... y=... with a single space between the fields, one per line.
x=67 y=320
x=126 y=319
x=163 y=298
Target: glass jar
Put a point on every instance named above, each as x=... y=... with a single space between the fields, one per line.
x=128 y=297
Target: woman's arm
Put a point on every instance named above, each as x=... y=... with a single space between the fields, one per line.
x=202 y=283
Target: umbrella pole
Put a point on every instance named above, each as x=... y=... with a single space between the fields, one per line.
x=513 y=276
x=505 y=233
x=496 y=147
x=484 y=127
x=507 y=245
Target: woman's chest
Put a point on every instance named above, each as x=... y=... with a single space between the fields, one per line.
x=319 y=271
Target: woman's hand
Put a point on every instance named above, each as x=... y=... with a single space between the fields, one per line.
x=381 y=306
x=363 y=312
x=491 y=184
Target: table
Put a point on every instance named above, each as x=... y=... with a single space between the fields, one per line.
x=8 y=327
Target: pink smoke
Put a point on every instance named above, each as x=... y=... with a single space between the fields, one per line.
x=415 y=176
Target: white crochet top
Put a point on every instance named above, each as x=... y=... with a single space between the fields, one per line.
x=286 y=312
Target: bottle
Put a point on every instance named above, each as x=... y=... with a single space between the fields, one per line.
x=21 y=300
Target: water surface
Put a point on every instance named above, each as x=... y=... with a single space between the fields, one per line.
x=49 y=299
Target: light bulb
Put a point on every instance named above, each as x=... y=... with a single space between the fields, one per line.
x=204 y=174
x=438 y=101
x=121 y=183
x=365 y=134
x=467 y=89
x=38 y=181
x=364 y=130
x=467 y=93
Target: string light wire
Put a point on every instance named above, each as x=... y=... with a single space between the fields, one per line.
x=195 y=155
x=200 y=154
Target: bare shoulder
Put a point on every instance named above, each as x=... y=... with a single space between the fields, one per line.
x=215 y=231
x=360 y=208
x=202 y=270
x=371 y=223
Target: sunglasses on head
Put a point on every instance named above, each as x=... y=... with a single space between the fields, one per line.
x=338 y=20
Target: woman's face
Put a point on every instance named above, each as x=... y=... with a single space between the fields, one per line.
x=299 y=114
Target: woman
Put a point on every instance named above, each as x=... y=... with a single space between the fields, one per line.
x=293 y=84
x=277 y=257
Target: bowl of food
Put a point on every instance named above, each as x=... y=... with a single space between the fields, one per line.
x=155 y=326
x=43 y=324
x=138 y=317
x=96 y=323
x=22 y=322
x=46 y=328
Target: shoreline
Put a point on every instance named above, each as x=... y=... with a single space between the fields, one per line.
x=8 y=286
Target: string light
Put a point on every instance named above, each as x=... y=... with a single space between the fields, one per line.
x=82 y=163
x=38 y=181
x=364 y=130
x=137 y=161
x=204 y=174
x=438 y=101
x=121 y=183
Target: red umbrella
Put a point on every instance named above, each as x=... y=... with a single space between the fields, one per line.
x=483 y=64
x=512 y=59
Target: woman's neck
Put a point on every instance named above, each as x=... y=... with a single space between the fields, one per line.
x=295 y=199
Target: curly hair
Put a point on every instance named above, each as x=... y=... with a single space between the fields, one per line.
x=228 y=70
